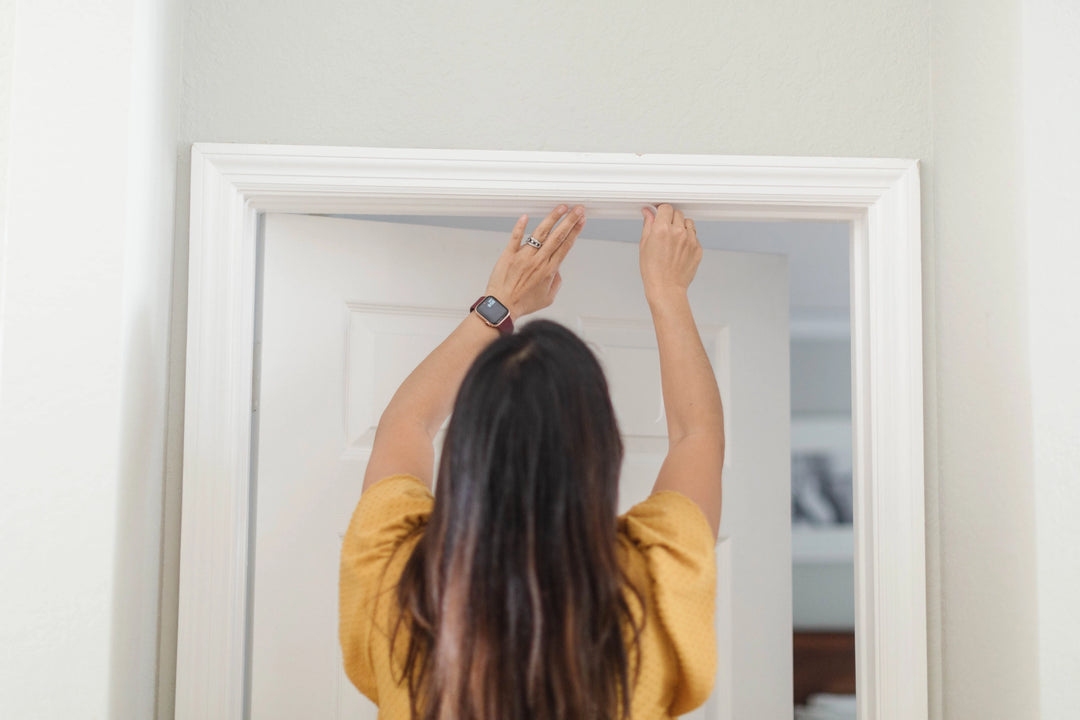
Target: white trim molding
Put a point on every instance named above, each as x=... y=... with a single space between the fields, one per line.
x=232 y=184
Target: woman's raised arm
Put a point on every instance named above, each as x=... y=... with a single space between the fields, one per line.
x=669 y=257
x=525 y=279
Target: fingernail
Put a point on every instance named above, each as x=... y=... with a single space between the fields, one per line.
x=580 y=210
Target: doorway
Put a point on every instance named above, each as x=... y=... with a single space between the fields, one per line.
x=232 y=184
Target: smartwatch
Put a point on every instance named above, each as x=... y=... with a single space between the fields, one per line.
x=494 y=313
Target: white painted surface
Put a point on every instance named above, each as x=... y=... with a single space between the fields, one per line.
x=768 y=78
x=327 y=305
x=1052 y=170
x=979 y=445
x=7 y=55
x=84 y=307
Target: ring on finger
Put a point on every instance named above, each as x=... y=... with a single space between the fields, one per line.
x=534 y=242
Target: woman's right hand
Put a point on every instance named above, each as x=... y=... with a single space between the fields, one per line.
x=669 y=253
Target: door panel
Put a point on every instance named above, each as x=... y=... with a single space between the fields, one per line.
x=350 y=307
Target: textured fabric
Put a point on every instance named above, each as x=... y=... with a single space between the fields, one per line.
x=665 y=545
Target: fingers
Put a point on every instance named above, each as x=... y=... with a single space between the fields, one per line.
x=518 y=233
x=542 y=230
x=570 y=225
x=560 y=251
x=669 y=214
x=647 y=219
x=664 y=213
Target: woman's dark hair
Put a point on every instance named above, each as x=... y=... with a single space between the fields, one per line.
x=513 y=599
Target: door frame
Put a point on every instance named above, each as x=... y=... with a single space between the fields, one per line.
x=231 y=184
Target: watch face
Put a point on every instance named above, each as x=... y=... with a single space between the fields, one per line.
x=492 y=310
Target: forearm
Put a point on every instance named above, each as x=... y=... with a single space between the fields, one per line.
x=691 y=396
x=426 y=397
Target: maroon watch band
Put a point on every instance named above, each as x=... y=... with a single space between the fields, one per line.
x=505 y=326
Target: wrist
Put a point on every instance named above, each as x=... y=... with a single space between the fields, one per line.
x=490 y=331
x=509 y=302
x=666 y=296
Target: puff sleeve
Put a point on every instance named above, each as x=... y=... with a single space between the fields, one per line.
x=674 y=536
x=388 y=513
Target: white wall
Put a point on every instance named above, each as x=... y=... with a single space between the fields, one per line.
x=84 y=313
x=1052 y=164
x=938 y=80
x=7 y=42
x=982 y=565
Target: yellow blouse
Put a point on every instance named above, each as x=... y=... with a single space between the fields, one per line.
x=665 y=544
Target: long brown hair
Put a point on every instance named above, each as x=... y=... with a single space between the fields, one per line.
x=513 y=600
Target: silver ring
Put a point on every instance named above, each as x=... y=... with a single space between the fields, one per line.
x=534 y=242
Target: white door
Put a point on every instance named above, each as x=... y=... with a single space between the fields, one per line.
x=350 y=307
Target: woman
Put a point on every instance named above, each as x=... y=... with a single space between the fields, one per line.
x=515 y=592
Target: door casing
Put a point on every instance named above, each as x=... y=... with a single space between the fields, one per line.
x=232 y=184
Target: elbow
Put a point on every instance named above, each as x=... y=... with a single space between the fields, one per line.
x=709 y=432
x=393 y=419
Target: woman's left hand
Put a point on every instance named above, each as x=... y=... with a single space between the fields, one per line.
x=525 y=278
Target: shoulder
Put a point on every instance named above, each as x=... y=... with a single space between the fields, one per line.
x=387 y=522
x=668 y=544
x=396 y=500
x=668 y=519
x=389 y=512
